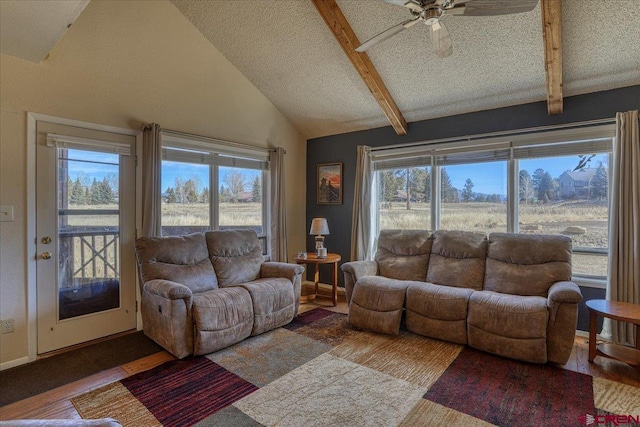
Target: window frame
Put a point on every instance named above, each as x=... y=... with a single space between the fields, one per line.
x=216 y=153
x=525 y=144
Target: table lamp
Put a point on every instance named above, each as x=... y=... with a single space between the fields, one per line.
x=320 y=228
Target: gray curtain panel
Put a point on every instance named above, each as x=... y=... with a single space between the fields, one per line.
x=278 y=206
x=624 y=233
x=362 y=237
x=151 y=179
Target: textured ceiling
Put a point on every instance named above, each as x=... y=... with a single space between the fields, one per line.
x=285 y=49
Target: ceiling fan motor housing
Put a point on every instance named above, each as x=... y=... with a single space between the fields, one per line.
x=431 y=15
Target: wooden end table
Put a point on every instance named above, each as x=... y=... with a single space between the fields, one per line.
x=313 y=259
x=615 y=310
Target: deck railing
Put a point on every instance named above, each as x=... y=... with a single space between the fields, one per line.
x=87 y=255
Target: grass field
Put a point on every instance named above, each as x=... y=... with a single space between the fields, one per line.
x=533 y=219
x=247 y=214
x=482 y=217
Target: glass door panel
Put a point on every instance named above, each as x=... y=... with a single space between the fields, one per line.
x=88 y=232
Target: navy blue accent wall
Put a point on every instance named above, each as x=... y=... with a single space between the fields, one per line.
x=583 y=311
x=342 y=148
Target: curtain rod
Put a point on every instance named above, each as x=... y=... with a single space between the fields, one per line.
x=214 y=140
x=525 y=131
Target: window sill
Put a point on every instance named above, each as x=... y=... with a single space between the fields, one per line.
x=590 y=282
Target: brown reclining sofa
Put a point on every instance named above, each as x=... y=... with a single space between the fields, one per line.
x=206 y=291
x=508 y=294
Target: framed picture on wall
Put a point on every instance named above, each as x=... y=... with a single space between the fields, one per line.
x=330 y=184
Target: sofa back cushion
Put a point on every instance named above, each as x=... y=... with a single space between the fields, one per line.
x=527 y=264
x=181 y=259
x=403 y=254
x=236 y=255
x=458 y=259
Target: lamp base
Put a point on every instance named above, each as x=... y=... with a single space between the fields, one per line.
x=322 y=253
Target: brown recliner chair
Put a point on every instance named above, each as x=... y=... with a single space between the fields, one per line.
x=206 y=291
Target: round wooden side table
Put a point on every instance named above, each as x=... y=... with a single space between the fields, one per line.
x=615 y=310
x=313 y=259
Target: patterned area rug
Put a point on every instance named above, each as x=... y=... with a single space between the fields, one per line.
x=318 y=371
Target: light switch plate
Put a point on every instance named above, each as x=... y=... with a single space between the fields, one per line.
x=6 y=213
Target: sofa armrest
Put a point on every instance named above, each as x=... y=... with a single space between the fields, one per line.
x=353 y=271
x=281 y=269
x=169 y=290
x=360 y=269
x=562 y=301
x=285 y=270
x=562 y=293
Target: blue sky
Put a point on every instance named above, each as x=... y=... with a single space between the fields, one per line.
x=488 y=178
x=87 y=167
x=94 y=165
x=172 y=170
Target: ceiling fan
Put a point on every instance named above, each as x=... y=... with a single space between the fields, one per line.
x=431 y=13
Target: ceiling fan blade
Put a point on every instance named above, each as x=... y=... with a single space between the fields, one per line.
x=458 y=10
x=498 y=7
x=389 y=32
x=441 y=40
x=410 y=4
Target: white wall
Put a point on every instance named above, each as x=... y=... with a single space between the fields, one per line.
x=120 y=64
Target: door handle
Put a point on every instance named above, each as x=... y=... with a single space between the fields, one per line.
x=45 y=255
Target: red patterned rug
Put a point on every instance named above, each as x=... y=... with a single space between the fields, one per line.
x=508 y=393
x=320 y=371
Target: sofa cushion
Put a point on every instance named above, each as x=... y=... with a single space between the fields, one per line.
x=377 y=303
x=273 y=303
x=438 y=311
x=236 y=255
x=509 y=325
x=403 y=254
x=524 y=264
x=181 y=259
x=222 y=317
x=458 y=259
x=509 y=315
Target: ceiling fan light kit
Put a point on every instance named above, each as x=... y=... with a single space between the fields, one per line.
x=431 y=13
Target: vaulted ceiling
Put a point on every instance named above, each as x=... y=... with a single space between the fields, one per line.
x=305 y=64
x=288 y=52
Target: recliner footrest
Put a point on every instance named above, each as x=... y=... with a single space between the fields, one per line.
x=376 y=304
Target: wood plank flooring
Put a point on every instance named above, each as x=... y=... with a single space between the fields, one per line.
x=56 y=403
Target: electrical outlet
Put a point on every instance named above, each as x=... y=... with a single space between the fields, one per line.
x=7 y=325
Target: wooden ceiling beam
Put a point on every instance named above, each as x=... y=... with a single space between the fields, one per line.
x=552 y=34
x=347 y=39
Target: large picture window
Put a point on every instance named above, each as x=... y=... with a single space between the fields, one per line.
x=209 y=187
x=554 y=182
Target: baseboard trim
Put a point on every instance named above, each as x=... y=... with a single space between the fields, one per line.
x=14 y=363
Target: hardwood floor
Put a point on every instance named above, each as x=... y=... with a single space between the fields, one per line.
x=56 y=403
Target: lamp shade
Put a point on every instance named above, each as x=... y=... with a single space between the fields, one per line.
x=319 y=227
